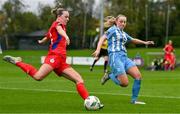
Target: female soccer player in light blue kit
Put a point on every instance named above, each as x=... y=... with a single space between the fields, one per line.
x=120 y=64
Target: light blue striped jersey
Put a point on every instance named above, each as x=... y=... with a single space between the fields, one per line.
x=117 y=39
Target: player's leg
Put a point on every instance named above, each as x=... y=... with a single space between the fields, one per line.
x=105 y=63
x=135 y=73
x=38 y=75
x=51 y=62
x=167 y=65
x=29 y=69
x=44 y=70
x=172 y=62
x=118 y=74
x=94 y=62
x=120 y=79
x=167 y=61
x=74 y=76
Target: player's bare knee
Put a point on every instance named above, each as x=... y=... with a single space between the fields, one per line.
x=124 y=84
x=80 y=81
x=38 y=78
x=138 y=76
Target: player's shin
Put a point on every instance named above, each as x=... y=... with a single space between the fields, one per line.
x=135 y=89
x=82 y=90
x=29 y=69
x=105 y=66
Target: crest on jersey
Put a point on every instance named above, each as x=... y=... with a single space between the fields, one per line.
x=52 y=60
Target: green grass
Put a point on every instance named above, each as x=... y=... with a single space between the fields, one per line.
x=21 y=94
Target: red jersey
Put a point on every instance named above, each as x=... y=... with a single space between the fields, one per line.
x=58 y=42
x=168 y=49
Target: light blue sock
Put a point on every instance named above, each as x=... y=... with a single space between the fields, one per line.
x=135 y=89
x=114 y=79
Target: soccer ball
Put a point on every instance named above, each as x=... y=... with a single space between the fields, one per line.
x=92 y=103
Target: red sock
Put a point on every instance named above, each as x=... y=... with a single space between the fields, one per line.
x=27 y=68
x=82 y=90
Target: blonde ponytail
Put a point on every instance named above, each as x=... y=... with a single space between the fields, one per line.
x=58 y=10
x=109 y=21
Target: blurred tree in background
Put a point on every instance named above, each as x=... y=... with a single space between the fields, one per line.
x=147 y=20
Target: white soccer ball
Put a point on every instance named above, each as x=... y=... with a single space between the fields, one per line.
x=92 y=103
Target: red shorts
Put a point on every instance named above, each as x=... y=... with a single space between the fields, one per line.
x=57 y=62
x=170 y=58
x=167 y=57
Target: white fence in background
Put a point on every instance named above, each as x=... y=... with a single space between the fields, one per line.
x=80 y=60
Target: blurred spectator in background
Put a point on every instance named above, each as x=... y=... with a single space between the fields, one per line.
x=157 y=64
x=169 y=56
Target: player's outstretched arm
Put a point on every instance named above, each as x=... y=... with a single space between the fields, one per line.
x=101 y=40
x=138 y=41
x=44 y=40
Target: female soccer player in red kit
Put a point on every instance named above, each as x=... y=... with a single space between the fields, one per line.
x=56 y=58
x=169 y=56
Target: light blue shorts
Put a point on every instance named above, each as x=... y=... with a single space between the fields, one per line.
x=119 y=63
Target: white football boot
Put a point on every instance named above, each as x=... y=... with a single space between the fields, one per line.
x=11 y=59
x=138 y=102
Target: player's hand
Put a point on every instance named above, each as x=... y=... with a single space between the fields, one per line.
x=96 y=53
x=149 y=42
x=40 y=41
x=67 y=41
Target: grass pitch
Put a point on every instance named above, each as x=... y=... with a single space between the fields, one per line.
x=19 y=93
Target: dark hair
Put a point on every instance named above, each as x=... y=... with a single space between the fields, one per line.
x=58 y=10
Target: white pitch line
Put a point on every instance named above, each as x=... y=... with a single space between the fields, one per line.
x=101 y=93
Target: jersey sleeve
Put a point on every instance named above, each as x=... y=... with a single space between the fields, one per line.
x=63 y=26
x=48 y=35
x=110 y=32
x=129 y=38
